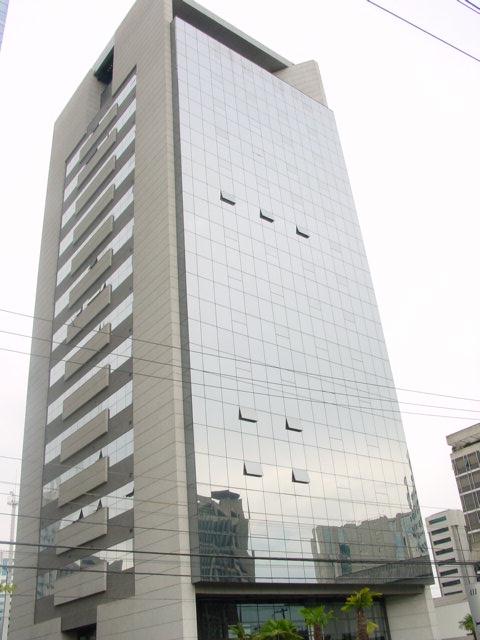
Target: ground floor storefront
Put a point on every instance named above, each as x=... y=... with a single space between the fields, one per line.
x=216 y=616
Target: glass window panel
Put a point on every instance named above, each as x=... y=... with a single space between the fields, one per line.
x=252 y=469
x=300 y=475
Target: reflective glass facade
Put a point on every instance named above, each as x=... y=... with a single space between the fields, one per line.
x=296 y=448
x=3 y=18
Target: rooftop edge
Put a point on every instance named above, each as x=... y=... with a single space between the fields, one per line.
x=211 y=24
x=464 y=437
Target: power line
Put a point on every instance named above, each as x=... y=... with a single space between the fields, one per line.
x=270 y=558
x=358 y=408
x=278 y=383
x=375 y=562
x=428 y=33
x=177 y=483
x=160 y=479
x=78 y=505
x=217 y=354
x=16 y=567
x=264 y=521
x=255 y=535
x=53 y=520
x=236 y=377
x=323 y=597
x=190 y=575
x=187 y=531
x=470 y=5
x=324 y=580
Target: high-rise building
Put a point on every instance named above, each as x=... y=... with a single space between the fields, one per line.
x=465 y=457
x=448 y=538
x=209 y=388
x=3 y=18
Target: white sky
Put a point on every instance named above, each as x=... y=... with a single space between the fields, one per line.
x=407 y=109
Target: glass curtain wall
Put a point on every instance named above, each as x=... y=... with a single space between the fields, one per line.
x=296 y=448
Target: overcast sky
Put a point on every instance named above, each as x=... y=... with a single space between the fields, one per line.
x=407 y=109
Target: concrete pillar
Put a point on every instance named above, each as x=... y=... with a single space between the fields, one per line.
x=412 y=616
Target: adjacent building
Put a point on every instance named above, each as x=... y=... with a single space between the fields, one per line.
x=212 y=433
x=448 y=538
x=465 y=458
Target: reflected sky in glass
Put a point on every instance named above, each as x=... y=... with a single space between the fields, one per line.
x=283 y=326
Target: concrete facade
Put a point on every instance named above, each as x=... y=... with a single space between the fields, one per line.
x=465 y=457
x=118 y=544
x=448 y=538
x=68 y=128
x=449 y=611
x=98 y=237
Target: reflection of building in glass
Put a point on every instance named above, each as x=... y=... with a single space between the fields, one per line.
x=386 y=538
x=223 y=531
x=3 y=18
x=398 y=538
x=214 y=340
x=412 y=521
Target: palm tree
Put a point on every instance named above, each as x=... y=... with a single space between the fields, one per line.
x=358 y=601
x=7 y=588
x=468 y=625
x=278 y=630
x=318 y=618
x=239 y=632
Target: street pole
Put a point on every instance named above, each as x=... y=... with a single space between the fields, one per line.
x=13 y=502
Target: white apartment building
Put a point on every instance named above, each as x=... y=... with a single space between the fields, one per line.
x=448 y=537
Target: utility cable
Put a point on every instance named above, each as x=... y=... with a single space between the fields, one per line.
x=183 y=575
x=470 y=5
x=247 y=379
x=217 y=354
x=255 y=535
x=271 y=558
x=428 y=33
x=358 y=408
x=79 y=505
x=263 y=521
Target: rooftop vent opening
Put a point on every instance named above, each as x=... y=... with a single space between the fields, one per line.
x=104 y=71
x=104 y=74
